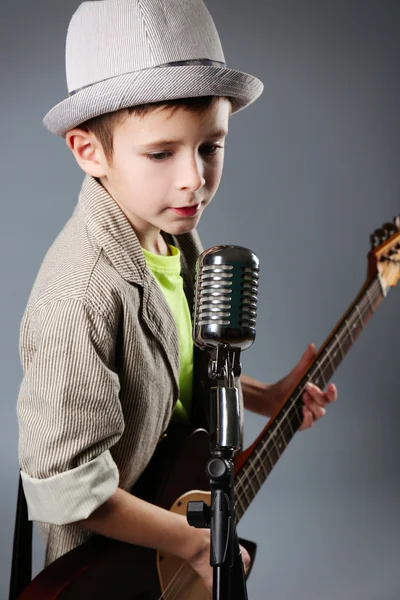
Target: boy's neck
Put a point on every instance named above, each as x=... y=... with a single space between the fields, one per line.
x=160 y=247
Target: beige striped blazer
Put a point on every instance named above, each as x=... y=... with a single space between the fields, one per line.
x=100 y=356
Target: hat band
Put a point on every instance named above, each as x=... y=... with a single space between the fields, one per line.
x=177 y=63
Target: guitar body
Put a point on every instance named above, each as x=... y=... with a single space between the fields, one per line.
x=103 y=568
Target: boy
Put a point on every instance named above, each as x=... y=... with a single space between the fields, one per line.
x=106 y=341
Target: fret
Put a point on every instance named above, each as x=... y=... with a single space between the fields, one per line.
x=273 y=434
x=350 y=332
x=238 y=501
x=374 y=295
x=267 y=455
x=370 y=301
x=337 y=337
x=280 y=446
x=322 y=374
x=335 y=355
x=262 y=464
x=244 y=490
x=360 y=316
x=260 y=467
x=298 y=416
x=289 y=422
x=253 y=491
x=330 y=357
x=272 y=454
x=346 y=339
x=287 y=415
x=364 y=310
x=355 y=327
x=284 y=430
x=329 y=367
x=256 y=470
x=317 y=376
x=282 y=434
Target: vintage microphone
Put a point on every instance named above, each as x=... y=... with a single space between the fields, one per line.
x=225 y=304
x=224 y=320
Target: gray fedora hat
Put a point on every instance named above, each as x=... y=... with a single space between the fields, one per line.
x=121 y=53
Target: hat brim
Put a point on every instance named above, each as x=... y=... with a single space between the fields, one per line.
x=152 y=85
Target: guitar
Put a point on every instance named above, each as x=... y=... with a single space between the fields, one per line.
x=103 y=568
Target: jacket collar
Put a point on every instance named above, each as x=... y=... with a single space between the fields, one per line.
x=110 y=229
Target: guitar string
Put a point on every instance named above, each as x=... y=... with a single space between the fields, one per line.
x=377 y=294
x=184 y=581
x=175 y=581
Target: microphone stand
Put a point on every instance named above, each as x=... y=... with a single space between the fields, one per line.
x=229 y=582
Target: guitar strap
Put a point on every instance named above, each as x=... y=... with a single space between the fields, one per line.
x=21 y=566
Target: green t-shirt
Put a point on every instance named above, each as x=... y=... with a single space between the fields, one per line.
x=167 y=272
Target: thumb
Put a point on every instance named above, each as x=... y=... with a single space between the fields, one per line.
x=304 y=361
x=285 y=384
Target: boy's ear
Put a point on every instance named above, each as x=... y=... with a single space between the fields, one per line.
x=87 y=151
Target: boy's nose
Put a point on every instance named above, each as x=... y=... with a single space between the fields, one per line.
x=191 y=176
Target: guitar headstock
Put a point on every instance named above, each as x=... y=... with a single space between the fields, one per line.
x=384 y=257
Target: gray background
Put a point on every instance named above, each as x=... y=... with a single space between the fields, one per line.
x=311 y=170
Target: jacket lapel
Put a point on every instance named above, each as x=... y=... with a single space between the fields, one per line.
x=110 y=229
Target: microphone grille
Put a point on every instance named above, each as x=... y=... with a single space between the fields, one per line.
x=226 y=289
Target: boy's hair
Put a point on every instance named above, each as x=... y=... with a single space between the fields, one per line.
x=103 y=126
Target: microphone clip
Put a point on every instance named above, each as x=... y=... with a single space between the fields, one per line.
x=224 y=364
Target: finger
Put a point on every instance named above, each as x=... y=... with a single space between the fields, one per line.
x=308 y=354
x=305 y=359
x=311 y=348
x=332 y=392
x=245 y=558
x=317 y=410
x=307 y=419
x=320 y=397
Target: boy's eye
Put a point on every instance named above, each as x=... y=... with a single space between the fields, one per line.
x=210 y=148
x=206 y=149
x=157 y=155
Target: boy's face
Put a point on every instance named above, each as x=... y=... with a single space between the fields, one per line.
x=164 y=161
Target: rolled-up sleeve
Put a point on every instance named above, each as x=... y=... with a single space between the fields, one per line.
x=69 y=411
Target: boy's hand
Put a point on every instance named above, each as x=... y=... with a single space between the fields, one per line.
x=200 y=560
x=315 y=400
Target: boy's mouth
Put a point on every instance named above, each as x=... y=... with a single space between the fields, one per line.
x=187 y=211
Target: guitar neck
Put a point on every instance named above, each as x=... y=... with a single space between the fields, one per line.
x=276 y=436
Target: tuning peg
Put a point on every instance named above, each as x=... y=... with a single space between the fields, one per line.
x=396 y=221
x=381 y=233
x=375 y=240
x=390 y=228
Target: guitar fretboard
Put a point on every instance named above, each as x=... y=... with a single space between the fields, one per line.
x=278 y=433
